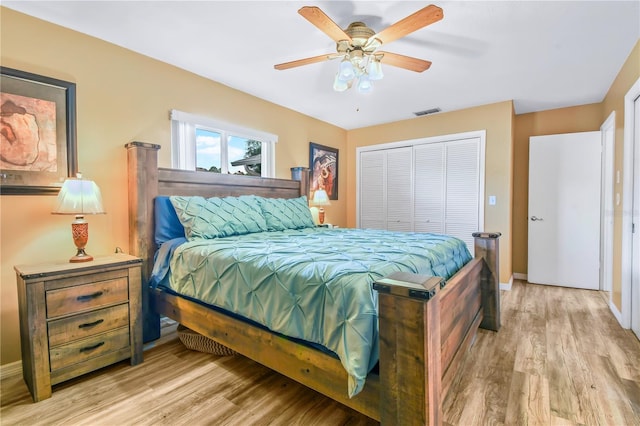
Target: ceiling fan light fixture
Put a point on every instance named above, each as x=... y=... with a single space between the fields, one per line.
x=375 y=69
x=364 y=84
x=340 y=85
x=356 y=56
x=346 y=72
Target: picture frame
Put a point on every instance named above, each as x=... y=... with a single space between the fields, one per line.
x=38 y=137
x=323 y=166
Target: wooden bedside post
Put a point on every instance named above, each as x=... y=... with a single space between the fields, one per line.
x=487 y=247
x=411 y=350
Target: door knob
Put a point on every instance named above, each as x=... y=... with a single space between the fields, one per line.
x=533 y=218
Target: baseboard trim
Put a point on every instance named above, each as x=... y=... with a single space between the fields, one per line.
x=10 y=370
x=616 y=312
x=519 y=276
x=507 y=286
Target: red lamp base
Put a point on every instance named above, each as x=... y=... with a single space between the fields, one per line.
x=81 y=256
x=80 y=231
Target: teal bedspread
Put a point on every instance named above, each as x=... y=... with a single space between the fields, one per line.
x=313 y=284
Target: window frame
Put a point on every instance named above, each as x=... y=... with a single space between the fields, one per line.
x=183 y=141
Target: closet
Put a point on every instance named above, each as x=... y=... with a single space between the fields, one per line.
x=424 y=185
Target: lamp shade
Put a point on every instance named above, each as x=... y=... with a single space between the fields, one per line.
x=375 y=70
x=346 y=72
x=79 y=196
x=340 y=85
x=364 y=85
x=320 y=198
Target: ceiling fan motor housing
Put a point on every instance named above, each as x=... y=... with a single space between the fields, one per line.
x=359 y=33
x=360 y=43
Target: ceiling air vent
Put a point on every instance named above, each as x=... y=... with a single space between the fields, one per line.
x=427 y=112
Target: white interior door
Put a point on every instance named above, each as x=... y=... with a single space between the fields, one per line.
x=564 y=210
x=635 y=247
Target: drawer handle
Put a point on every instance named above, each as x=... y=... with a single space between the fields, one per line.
x=86 y=297
x=90 y=348
x=91 y=324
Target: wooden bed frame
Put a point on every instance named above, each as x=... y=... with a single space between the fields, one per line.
x=426 y=325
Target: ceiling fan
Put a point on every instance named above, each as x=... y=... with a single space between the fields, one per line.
x=358 y=46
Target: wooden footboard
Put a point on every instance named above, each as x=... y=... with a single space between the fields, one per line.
x=426 y=325
x=309 y=366
x=460 y=315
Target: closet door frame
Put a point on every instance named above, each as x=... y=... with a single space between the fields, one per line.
x=481 y=134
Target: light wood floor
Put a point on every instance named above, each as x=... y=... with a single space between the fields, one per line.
x=560 y=358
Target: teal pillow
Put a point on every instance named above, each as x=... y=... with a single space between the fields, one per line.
x=286 y=213
x=219 y=217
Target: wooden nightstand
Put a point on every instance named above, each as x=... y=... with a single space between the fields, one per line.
x=78 y=317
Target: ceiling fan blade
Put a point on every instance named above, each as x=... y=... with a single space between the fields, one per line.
x=306 y=61
x=406 y=62
x=318 y=18
x=411 y=23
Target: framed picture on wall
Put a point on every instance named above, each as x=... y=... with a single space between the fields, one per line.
x=323 y=164
x=38 y=133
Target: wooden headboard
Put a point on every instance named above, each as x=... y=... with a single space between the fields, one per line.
x=147 y=181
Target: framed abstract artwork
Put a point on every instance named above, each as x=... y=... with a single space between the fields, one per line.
x=323 y=164
x=37 y=134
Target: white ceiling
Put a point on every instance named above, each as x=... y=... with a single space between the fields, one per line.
x=541 y=54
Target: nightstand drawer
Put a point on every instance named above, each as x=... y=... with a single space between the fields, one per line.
x=85 y=325
x=80 y=298
x=85 y=349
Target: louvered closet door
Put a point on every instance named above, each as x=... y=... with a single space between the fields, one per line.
x=462 y=190
x=373 y=194
x=399 y=188
x=429 y=189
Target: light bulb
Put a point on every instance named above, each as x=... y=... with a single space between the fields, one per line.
x=346 y=72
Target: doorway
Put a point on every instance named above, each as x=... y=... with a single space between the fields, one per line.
x=630 y=212
x=607 y=215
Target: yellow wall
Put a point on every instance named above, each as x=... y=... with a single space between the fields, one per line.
x=583 y=118
x=121 y=97
x=614 y=101
x=496 y=119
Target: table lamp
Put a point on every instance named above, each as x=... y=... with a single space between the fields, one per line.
x=79 y=197
x=320 y=198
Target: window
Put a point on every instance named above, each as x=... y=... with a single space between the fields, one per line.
x=200 y=143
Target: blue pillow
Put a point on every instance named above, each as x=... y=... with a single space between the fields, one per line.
x=161 y=262
x=167 y=226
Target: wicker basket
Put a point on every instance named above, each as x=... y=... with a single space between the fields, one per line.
x=198 y=342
